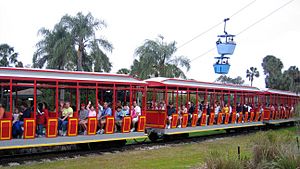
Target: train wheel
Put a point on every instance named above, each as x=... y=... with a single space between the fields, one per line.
x=153 y=136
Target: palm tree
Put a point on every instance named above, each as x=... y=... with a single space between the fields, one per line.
x=156 y=58
x=56 y=49
x=8 y=56
x=253 y=72
x=83 y=30
x=72 y=45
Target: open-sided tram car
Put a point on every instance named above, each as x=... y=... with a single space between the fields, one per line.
x=33 y=86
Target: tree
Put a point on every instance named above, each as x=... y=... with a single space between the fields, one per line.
x=253 y=72
x=8 y=56
x=292 y=76
x=156 y=58
x=228 y=80
x=83 y=30
x=123 y=71
x=272 y=67
x=72 y=45
x=56 y=49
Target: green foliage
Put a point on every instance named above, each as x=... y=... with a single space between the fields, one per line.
x=156 y=58
x=228 y=80
x=123 y=71
x=72 y=45
x=8 y=56
x=217 y=160
x=275 y=79
x=251 y=73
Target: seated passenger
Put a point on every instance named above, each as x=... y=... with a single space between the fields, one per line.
x=125 y=110
x=200 y=109
x=83 y=115
x=40 y=119
x=191 y=110
x=106 y=112
x=137 y=110
x=17 y=130
x=67 y=112
x=182 y=111
x=2 y=111
x=119 y=117
x=217 y=110
x=91 y=109
x=171 y=110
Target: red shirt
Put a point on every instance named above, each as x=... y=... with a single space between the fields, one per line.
x=42 y=118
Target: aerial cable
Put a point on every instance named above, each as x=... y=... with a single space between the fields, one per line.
x=214 y=26
x=247 y=28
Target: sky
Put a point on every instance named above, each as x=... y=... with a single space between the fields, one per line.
x=131 y=22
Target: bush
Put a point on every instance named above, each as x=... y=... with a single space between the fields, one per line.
x=216 y=160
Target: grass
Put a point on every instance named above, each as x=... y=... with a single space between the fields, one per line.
x=193 y=155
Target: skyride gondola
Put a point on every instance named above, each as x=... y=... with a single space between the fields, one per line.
x=225 y=46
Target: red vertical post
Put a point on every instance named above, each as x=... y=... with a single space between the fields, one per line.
x=96 y=104
x=197 y=104
x=130 y=98
x=177 y=99
x=205 y=96
x=214 y=100
x=34 y=98
x=144 y=95
x=114 y=100
x=77 y=97
x=166 y=97
x=188 y=97
x=56 y=96
x=10 y=97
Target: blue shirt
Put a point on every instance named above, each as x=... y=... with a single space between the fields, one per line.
x=107 y=112
x=119 y=115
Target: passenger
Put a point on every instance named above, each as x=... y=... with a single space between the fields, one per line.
x=183 y=111
x=16 y=115
x=83 y=118
x=239 y=108
x=217 y=110
x=208 y=109
x=100 y=111
x=261 y=110
x=106 y=112
x=171 y=110
x=225 y=110
x=67 y=112
x=40 y=119
x=2 y=111
x=191 y=110
x=118 y=118
x=162 y=106
x=137 y=110
x=134 y=117
x=25 y=113
x=91 y=109
x=17 y=130
x=200 y=109
x=125 y=110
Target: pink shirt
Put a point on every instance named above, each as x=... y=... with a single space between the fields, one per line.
x=92 y=113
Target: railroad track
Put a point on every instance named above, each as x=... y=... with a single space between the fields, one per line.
x=89 y=149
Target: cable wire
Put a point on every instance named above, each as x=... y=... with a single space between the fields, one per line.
x=214 y=26
x=247 y=28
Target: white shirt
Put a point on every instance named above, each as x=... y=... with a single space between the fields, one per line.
x=137 y=110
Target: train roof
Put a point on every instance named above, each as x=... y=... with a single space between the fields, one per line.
x=281 y=92
x=67 y=75
x=160 y=81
